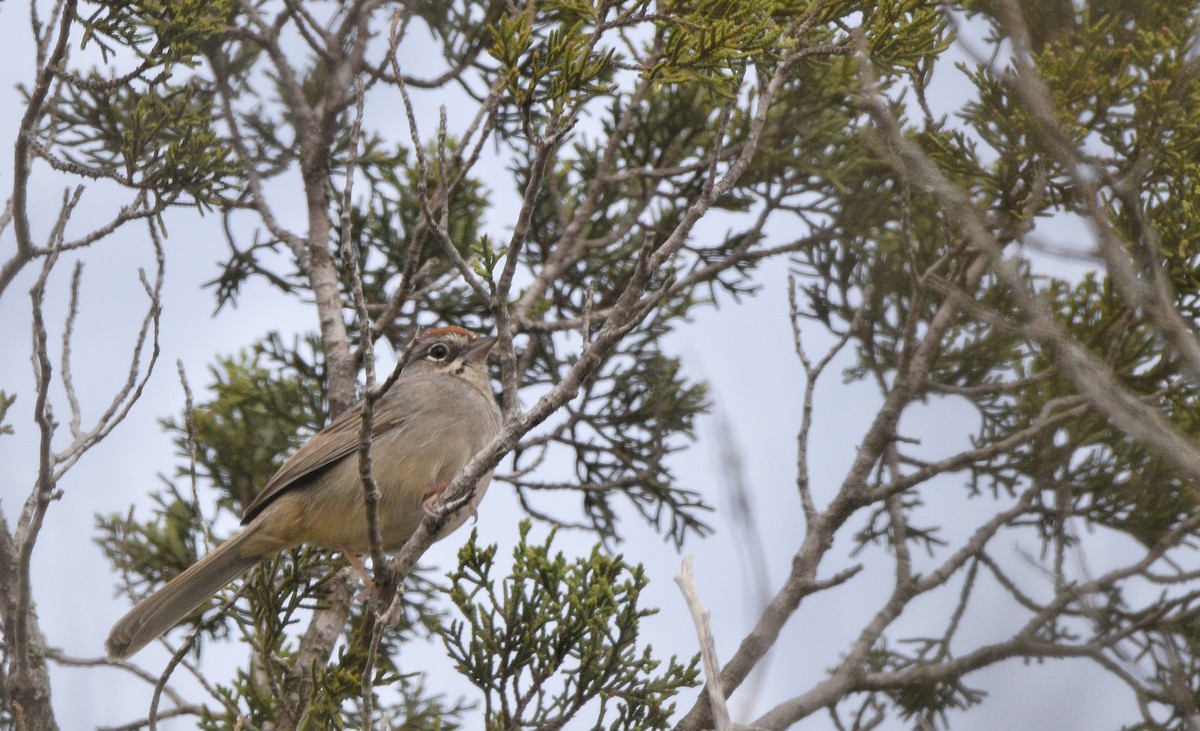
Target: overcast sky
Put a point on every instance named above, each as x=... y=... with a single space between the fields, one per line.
x=743 y=351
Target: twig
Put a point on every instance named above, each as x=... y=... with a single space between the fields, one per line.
x=135 y=380
x=708 y=648
x=189 y=422
x=22 y=156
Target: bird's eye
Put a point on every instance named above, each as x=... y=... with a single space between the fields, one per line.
x=439 y=351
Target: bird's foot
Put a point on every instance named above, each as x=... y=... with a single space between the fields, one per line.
x=430 y=498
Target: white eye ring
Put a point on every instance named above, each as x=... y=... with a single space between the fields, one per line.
x=438 y=351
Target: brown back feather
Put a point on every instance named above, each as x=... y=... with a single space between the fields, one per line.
x=337 y=440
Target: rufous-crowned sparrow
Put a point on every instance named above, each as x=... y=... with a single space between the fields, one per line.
x=434 y=418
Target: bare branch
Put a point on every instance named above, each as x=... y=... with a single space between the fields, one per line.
x=22 y=156
x=708 y=647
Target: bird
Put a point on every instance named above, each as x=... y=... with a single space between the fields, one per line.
x=438 y=414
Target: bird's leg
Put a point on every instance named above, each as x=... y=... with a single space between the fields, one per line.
x=368 y=582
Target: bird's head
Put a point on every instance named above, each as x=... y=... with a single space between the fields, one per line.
x=452 y=350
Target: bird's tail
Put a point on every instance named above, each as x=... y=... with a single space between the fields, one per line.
x=166 y=607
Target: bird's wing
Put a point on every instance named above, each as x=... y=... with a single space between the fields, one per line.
x=338 y=439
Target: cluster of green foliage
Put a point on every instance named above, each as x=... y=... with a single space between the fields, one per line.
x=6 y=402
x=556 y=635
x=1121 y=81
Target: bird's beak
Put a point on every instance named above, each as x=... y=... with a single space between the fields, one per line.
x=479 y=348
